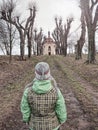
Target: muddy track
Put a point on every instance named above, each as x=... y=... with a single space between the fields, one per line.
x=77 y=119
x=80 y=110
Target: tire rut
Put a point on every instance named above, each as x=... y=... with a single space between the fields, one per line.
x=77 y=119
x=85 y=93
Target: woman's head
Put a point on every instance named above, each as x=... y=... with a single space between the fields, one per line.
x=42 y=71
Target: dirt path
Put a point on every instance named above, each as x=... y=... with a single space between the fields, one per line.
x=77 y=119
x=81 y=101
x=81 y=98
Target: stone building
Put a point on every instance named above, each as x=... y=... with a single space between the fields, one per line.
x=49 y=46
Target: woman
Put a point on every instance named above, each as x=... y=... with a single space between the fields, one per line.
x=42 y=105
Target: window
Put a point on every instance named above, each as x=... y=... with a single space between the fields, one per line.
x=49 y=48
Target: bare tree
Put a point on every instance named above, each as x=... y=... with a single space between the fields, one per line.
x=30 y=28
x=90 y=8
x=60 y=34
x=4 y=44
x=7 y=10
x=81 y=41
x=56 y=35
x=38 y=37
x=7 y=36
x=8 y=7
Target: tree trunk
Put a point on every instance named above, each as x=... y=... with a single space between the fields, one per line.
x=22 y=47
x=78 y=51
x=65 y=46
x=65 y=51
x=38 y=49
x=29 y=46
x=91 y=47
x=10 y=43
x=81 y=41
x=91 y=17
x=29 y=50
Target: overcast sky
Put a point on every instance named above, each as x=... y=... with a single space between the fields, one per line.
x=48 y=9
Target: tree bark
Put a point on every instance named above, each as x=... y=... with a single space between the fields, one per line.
x=91 y=18
x=81 y=41
x=91 y=47
x=29 y=47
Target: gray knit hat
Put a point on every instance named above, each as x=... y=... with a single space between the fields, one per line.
x=42 y=71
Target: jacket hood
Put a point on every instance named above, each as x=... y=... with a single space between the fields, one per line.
x=42 y=86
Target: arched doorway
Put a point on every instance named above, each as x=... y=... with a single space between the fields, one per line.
x=49 y=50
x=49 y=53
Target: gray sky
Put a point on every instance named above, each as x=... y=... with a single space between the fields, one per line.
x=48 y=9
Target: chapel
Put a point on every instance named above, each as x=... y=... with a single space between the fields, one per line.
x=49 y=46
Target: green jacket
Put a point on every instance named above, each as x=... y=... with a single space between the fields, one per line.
x=41 y=87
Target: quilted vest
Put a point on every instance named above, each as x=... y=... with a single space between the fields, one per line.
x=43 y=116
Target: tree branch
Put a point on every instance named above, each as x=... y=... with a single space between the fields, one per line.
x=93 y=4
x=96 y=17
x=20 y=25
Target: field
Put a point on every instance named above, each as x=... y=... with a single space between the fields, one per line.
x=77 y=81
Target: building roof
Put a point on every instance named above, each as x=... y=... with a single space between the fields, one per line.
x=49 y=40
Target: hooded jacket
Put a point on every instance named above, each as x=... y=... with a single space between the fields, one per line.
x=39 y=88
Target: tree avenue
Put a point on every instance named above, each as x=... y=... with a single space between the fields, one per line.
x=28 y=34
